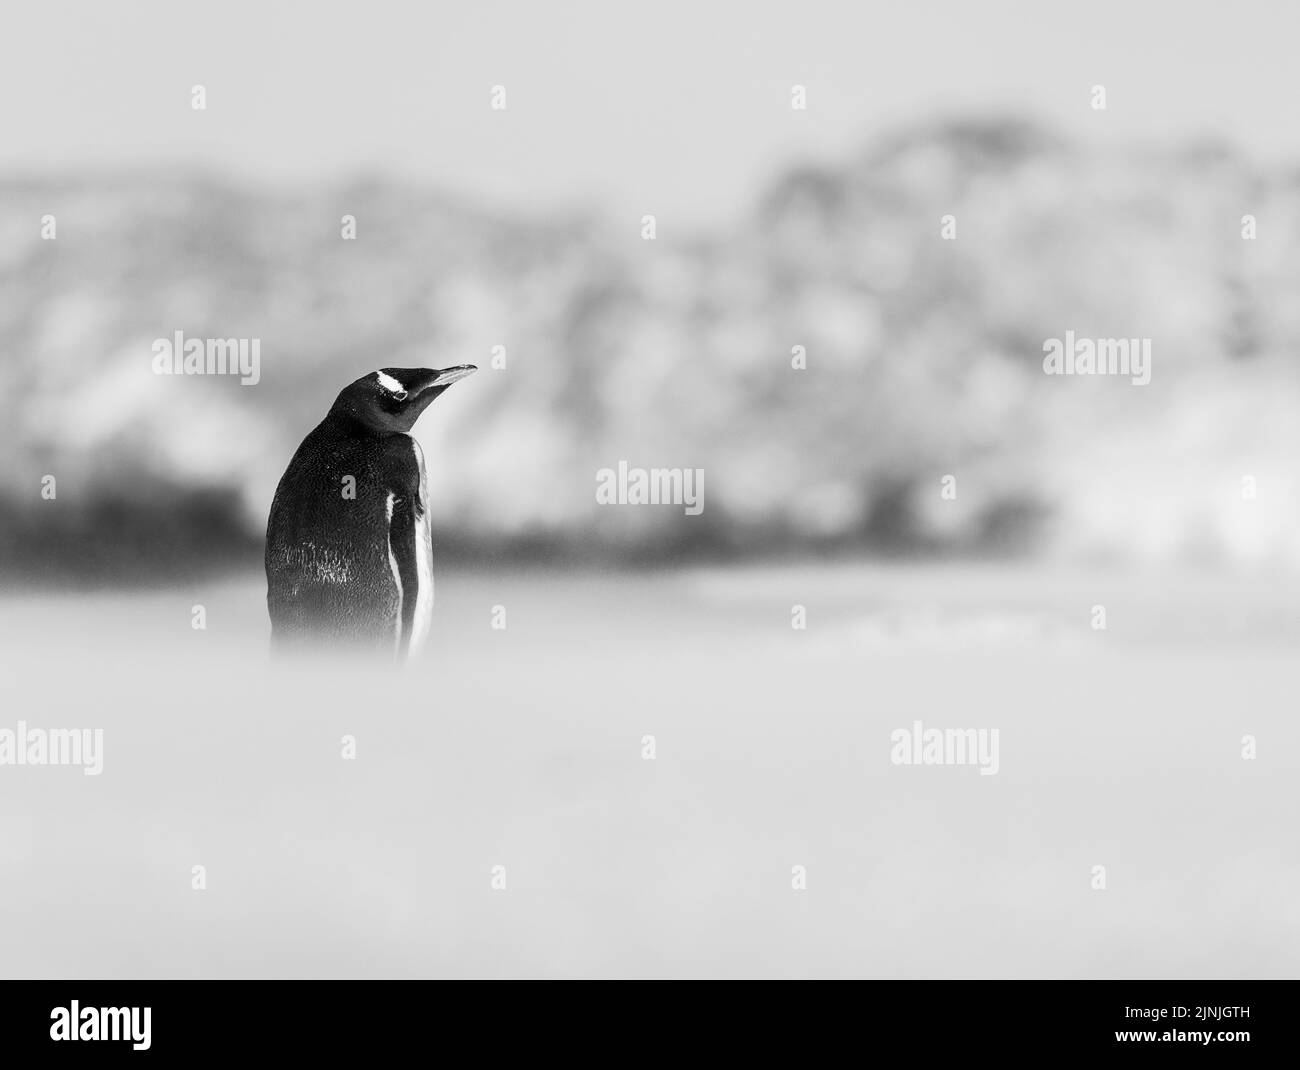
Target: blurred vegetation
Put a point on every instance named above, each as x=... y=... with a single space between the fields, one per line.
x=923 y=359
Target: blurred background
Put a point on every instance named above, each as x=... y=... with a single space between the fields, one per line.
x=521 y=229
x=517 y=234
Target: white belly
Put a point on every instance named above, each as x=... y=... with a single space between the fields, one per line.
x=423 y=562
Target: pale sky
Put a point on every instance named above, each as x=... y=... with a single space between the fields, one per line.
x=678 y=108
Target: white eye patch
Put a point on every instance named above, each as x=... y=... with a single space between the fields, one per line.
x=391 y=385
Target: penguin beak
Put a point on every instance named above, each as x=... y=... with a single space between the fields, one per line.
x=425 y=384
x=446 y=376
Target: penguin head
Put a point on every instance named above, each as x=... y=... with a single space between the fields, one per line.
x=392 y=399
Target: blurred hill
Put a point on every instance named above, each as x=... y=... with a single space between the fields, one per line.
x=924 y=358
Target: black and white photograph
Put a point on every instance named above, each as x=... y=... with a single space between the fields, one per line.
x=650 y=491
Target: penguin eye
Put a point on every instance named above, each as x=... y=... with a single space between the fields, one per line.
x=391 y=386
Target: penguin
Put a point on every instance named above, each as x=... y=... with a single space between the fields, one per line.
x=349 y=556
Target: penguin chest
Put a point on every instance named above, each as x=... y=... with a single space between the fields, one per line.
x=423 y=616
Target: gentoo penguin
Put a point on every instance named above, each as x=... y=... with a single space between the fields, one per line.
x=349 y=558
